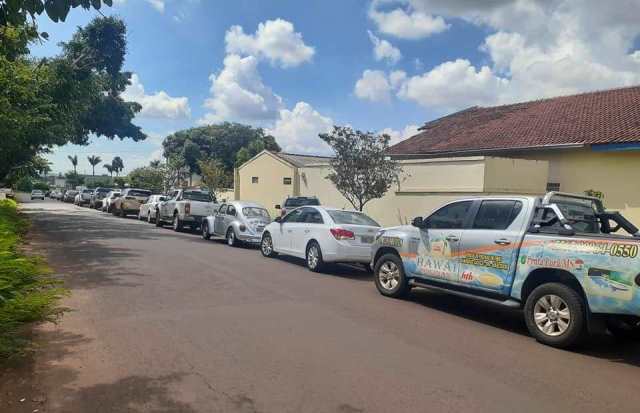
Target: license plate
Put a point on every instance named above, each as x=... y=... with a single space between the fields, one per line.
x=367 y=239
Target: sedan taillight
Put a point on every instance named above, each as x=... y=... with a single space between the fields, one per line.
x=187 y=209
x=340 y=234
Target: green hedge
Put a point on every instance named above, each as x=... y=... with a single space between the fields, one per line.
x=27 y=293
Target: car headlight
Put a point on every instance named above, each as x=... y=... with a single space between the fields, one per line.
x=379 y=234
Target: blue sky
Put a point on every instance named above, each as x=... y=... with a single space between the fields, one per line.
x=297 y=67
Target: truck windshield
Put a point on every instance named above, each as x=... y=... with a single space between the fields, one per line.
x=300 y=201
x=197 y=196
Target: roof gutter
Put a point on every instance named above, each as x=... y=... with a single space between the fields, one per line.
x=475 y=152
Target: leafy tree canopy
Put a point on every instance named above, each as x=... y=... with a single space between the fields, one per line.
x=361 y=169
x=49 y=102
x=16 y=12
x=147 y=177
x=229 y=143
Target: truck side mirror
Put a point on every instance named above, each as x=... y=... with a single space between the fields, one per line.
x=418 y=222
x=278 y=206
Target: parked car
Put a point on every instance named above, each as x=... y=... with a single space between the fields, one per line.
x=237 y=222
x=556 y=257
x=84 y=197
x=129 y=202
x=70 y=195
x=295 y=202
x=186 y=207
x=37 y=194
x=97 y=196
x=107 y=202
x=8 y=192
x=321 y=235
x=148 y=209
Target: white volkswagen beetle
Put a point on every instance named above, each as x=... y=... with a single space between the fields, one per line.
x=321 y=235
x=237 y=222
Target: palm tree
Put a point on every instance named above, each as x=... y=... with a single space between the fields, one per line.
x=117 y=165
x=74 y=162
x=109 y=168
x=94 y=160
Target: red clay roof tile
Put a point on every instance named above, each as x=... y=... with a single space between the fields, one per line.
x=611 y=116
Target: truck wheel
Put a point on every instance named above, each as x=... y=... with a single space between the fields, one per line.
x=624 y=329
x=266 y=246
x=555 y=315
x=232 y=241
x=314 y=257
x=122 y=213
x=388 y=274
x=205 y=230
x=177 y=223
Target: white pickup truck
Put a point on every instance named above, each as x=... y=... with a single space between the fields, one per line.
x=185 y=208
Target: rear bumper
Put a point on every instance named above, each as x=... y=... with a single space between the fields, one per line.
x=347 y=253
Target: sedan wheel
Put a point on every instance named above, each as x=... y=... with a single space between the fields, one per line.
x=266 y=246
x=314 y=257
x=149 y=219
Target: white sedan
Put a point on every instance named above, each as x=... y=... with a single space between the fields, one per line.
x=148 y=209
x=321 y=235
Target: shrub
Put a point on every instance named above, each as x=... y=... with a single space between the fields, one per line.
x=27 y=292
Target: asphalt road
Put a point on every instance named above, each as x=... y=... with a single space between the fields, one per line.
x=168 y=322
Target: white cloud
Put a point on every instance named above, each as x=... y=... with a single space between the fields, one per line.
x=454 y=85
x=297 y=130
x=536 y=49
x=157 y=105
x=238 y=94
x=274 y=40
x=399 y=136
x=406 y=23
x=157 y=4
x=383 y=50
x=373 y=86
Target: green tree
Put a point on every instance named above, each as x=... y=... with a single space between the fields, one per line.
x=361 y=169
x=221 y=142
x=45 y=103
x=109 y=169
x=16 y=12
x=74 y=161
x=147 y=177
x=117 y=165
x=73 y=179
x=93 y=161
x=214 y=176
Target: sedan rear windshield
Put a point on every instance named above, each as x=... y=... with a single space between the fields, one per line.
x=301 y=201
x=105 y=190
x=197 y=196
x=254 y=212
x=137 y=192
x=351 y=218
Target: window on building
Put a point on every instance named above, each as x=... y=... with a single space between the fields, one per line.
x=553 y=186
x=254 y=179
x=286 y=181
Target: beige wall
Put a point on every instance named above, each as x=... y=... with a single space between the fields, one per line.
x=226 y=195
x=615 y=174
x=430 y=183
x=270 y=189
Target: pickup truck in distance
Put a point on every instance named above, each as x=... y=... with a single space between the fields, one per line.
x=185 y=207
x=561 y=258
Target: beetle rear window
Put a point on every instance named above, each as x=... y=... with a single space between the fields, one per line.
x=351 y=218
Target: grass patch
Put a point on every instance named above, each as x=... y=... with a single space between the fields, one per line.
x=27 y=291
